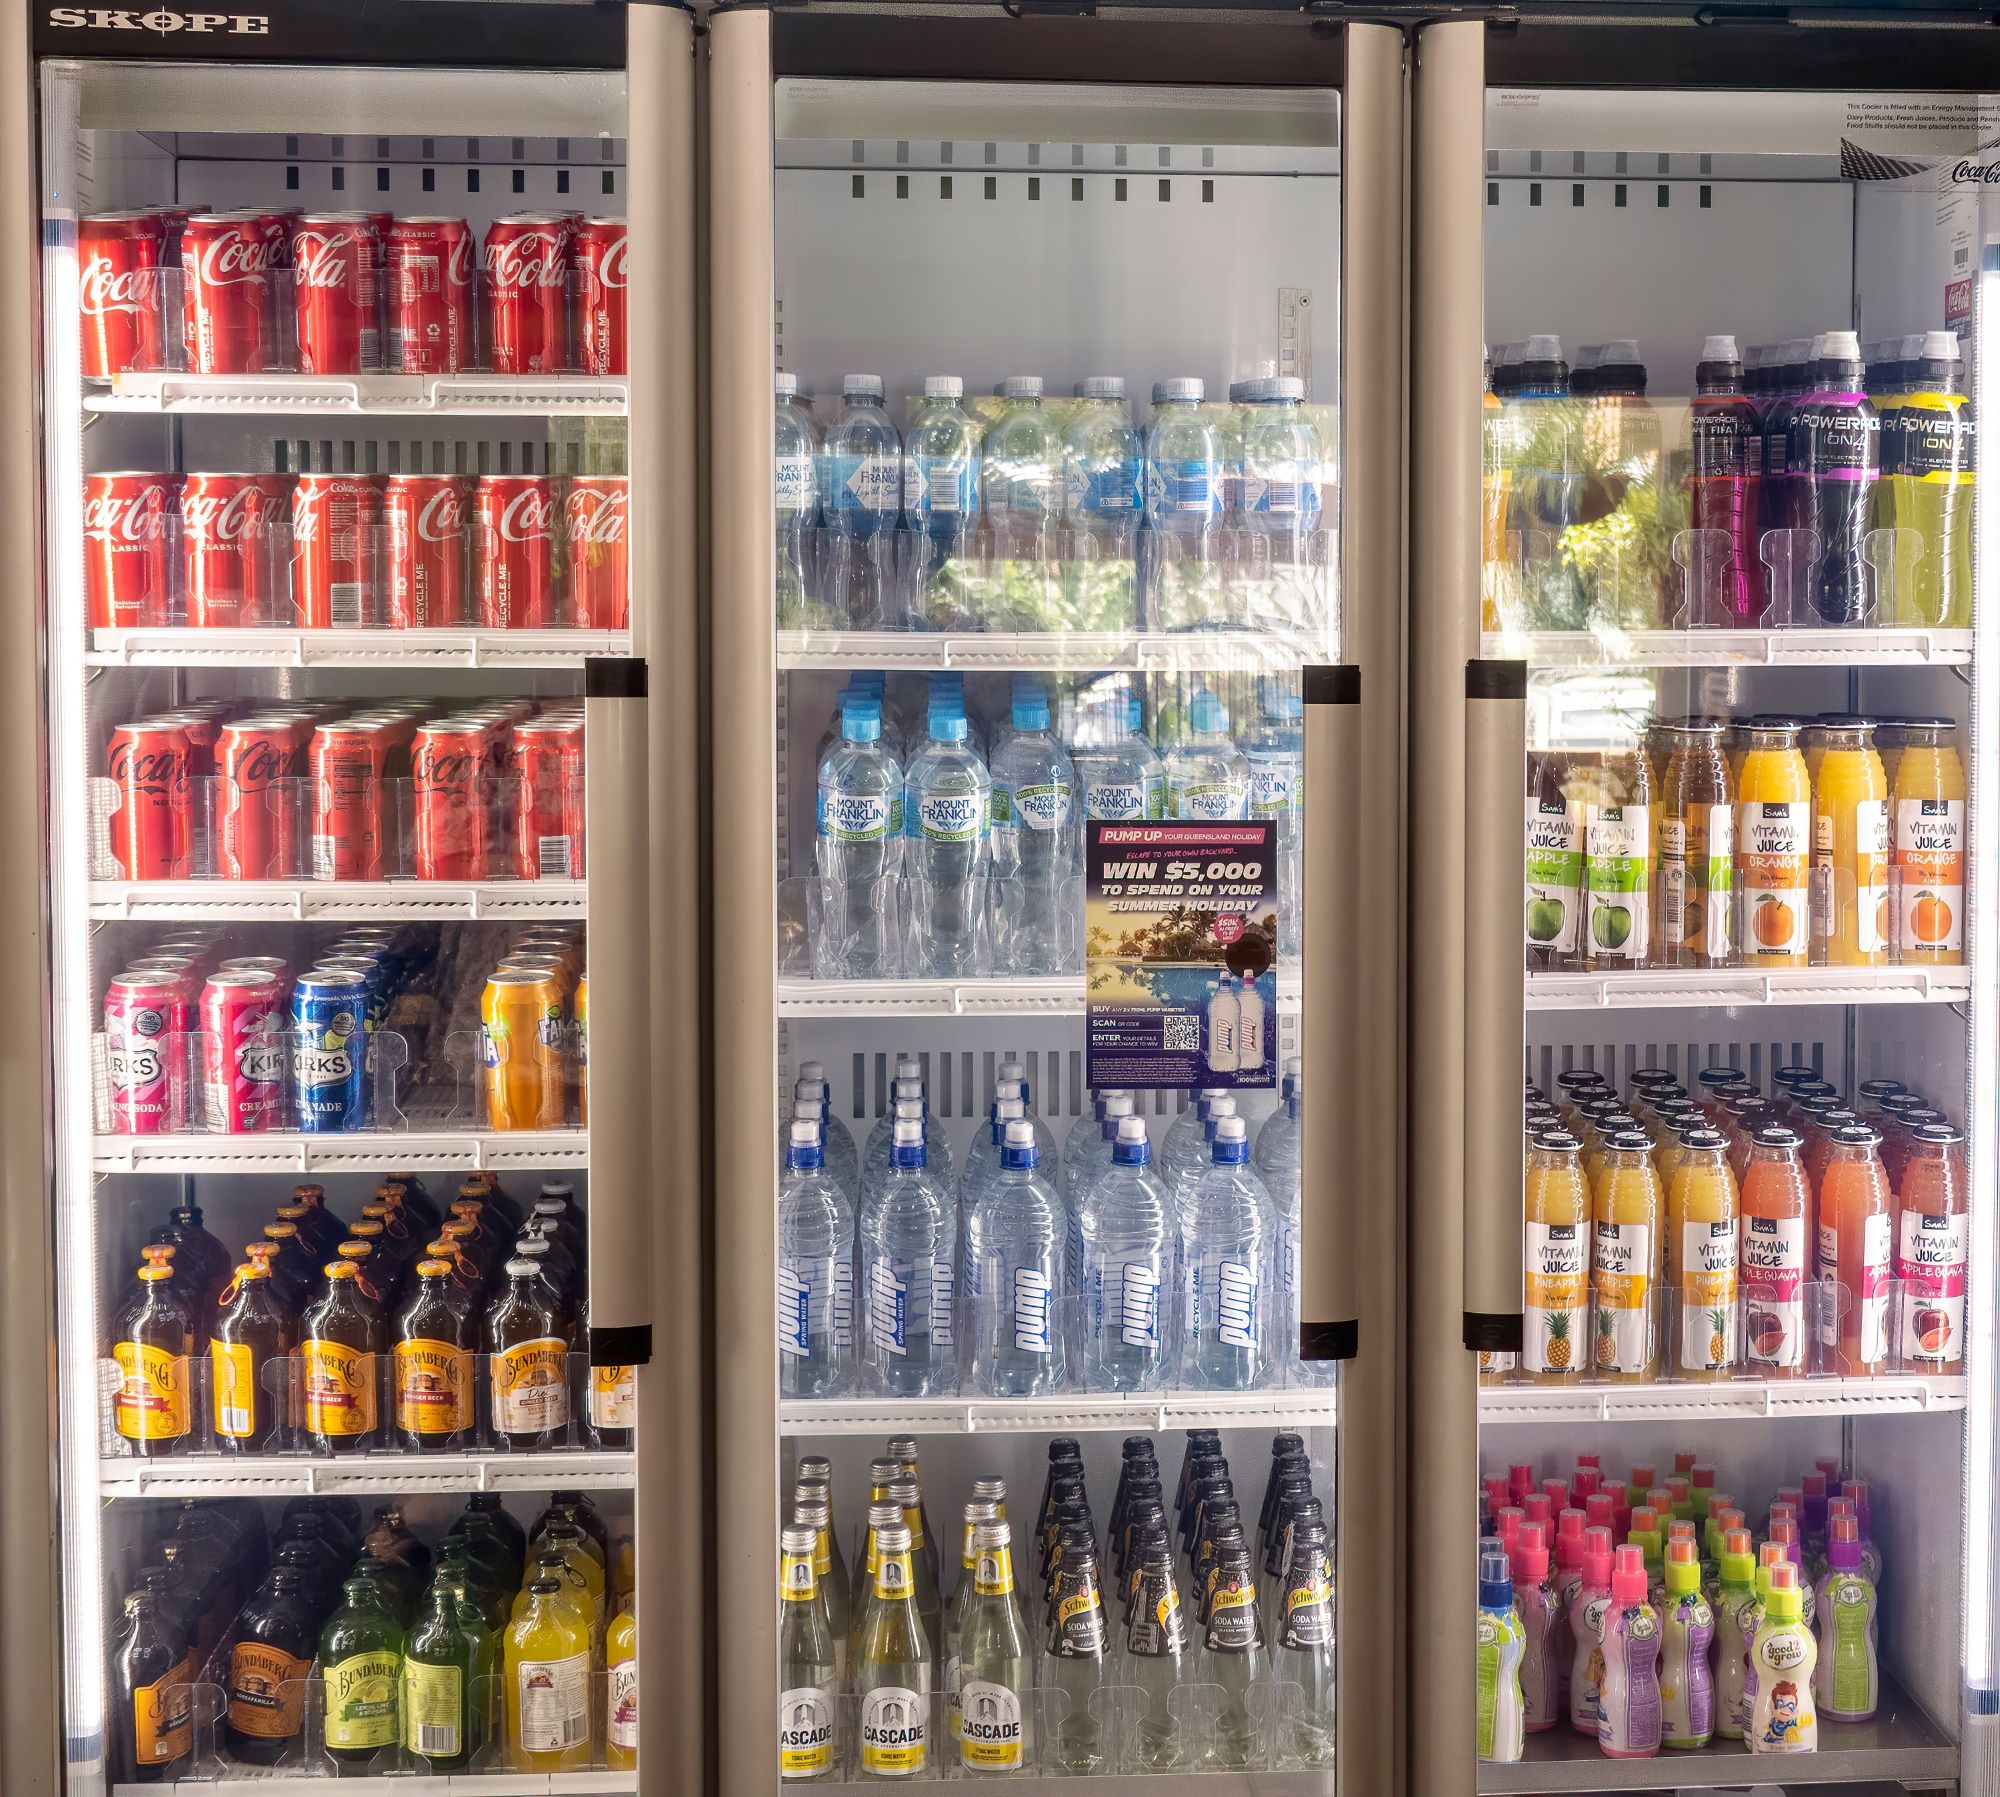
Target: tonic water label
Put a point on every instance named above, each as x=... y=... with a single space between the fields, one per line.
x=554 y=1703
x=151 y=1403
x=433 y=1709
x=805 y=1732
x=1554 y=872
x=1930 y=1262
x=621 y=1704
x=989 y=1726
x=531 y=1386
x=1618 y=850
x=1774 y=1291
x=1555 y=1296
x=895 y=1731
x=163 y=1716
x=361 y=1698
x=267 y=1691
x=1929 y=852
x=866 y=484
x=792 y=487
x=1621 y=1278
x=1708 y=1295
x=1775 y=852
x=947 y=816
x=614 y=1396
x=859 y=816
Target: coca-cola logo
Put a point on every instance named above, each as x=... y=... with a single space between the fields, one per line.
x=458 y=271
x=225 y=518
x=232 y=257
x=611 y=265
x=441 y=517
x=106 y=288
x=136 y=767
x=534 y=259
x=260 y=763
x=529 y=516
x=444 y=764
x=136 y=518
x=326 y=260
x=1981 y=174
x=596 y=517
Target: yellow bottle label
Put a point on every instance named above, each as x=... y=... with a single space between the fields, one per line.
x=989 y=1726
x=361 y=1704
x=152 y=1399
x=340 y=1388
x=892 y=1575
x=267 y=1691
x=433 y=1387
x=993 y=1573
x=805 y=1732
x=433 y=1709
x=797 y=1581
x=234 y=1378
x=531 y=1386
x=614 y=1396
x=163 y=1717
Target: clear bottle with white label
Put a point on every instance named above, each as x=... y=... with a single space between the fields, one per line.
x=893 y=1668
x=908 y=1234
x=1124 y=781
x=1013 y=1276
x=1227 y=1237
x=995 y=1685
x=809 y=1685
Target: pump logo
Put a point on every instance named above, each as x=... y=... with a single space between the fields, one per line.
x=160 y=22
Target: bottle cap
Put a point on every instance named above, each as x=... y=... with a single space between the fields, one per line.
x=909 y=1133
x=1599 y=1510
x=1020 y=1143
x=1285 y=388
x=785 y=386
x=1542 y=348
x=1207 y=715
x=1496 y=1589
x=1940 y=346
x=1507 y=1521
x=1021 y=386
x=1535 y=1507
x=1031 y=708
x=861 y=386
x=1718 y=349
x=1597 y=1558
x=1181 y=387
x=1683 y=1567
x=1783 y=1604
x=943 y=386
x=1101 y=386
x=1530 y=1558
x=947 y=726
x=1628 y=1576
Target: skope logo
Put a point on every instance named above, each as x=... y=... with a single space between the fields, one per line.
x=160 y=22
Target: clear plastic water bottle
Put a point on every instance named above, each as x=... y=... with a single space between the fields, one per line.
x=1227 y=1231
x=1010 y=1080
x=1276 y=752
x=1087 y=1161
x=842 y=1157
x=908 y=1087
x=1037 y=841
x=1278 y=1136
x=941 y=468
x=1105 y=493
x=1024 y=501
x=908 y=1233
x=1184 y=1156
x=1279 y=510
x=1081 y=1137
x=1125 y=782
x=1277 y=1163
x=815 y=1273
x=861 y=684
x=1184 y=511
x=1208 y=776
x=982 y=1155
x=859 y=848
x=1124 y=1219
x=795 y=498
x=947 y=802
x=863 y=501
x=1013 y=1276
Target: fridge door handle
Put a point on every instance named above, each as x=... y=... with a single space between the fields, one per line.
x=1330 y=1026
x=1496 y=715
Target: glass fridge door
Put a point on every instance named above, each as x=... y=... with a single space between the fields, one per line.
x=1036 y=681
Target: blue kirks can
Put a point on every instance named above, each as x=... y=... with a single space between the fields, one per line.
x=329 y=1049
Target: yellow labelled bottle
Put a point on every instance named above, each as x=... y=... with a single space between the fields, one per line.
x=816 y=1514
x=527 y=1355
x=252 y=1338
x=153 y=1342
x=1697 y=850
x=621 y=1688
x=152 y=1679
x=1926 y=490
x=1702 y=1222
x=995 y=1695
x=1927 y=846
x=1851 y=847
x=361 y=1668
x=433 y=1357
x=1619 y=849
x=1627 y=1247
x=1774 y=846
x=809 y=1692
x=893 y=1670
x=1555 y=1280
x=546 y=1671
x=343 y=1338
x=587 y=1565
x=1553 y=866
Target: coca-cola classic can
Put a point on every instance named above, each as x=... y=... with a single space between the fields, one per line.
x=119 y=258
x=430 y=295
x=424 y=539
x=233 y=546
x=127 y=561
x=227 y=260
x=597 y=259
x=594 y=540
x=514 y=524
x=337 y=271
x=527 y=293
x=336 y=537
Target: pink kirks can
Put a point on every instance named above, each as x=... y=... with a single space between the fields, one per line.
x=143 y=1048
x=243 y=1046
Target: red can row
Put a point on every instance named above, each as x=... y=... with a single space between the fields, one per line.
x=320 y=551
x=349 y=293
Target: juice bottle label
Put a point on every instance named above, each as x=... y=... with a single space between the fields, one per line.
x=234 y=1377
x=1930 y=870
x=1708 y=1295
x=805 y=1732
x=151 y=1403
x=621 y=1705
x=894 y=1731
x=1868 y=1304
x=433 y=1387
x=361 y=1699
x=1872 y=922
x=531 y=1386
x=1554 y=1297
x=433 y=1709
x=1493 y=1362
x=1930 y=1261
x=1774 y=1288
x=340 y=1388
x=554 y=1698
x=1698 y=880
x=163 y=1717
x=1847 y=1655
x=1620 y=1284
x=1554 y=873
x=1781 y=1715
x=1619 y=856
x=1776 y=858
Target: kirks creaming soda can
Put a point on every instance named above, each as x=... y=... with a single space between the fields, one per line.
x=329 y=1049
x=521 y=1042
x=143 y=1048
x=243 y=1052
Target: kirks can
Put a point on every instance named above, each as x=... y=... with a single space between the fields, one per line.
x=430 y=295
x=337 y=268
x=259 y=802
x=517 y=551
x=227 y=260
x=527 y=293
x=597 y=257
x=329 y=1049
x=548 y=827
x=594 y=515
x=127 y=559
x=521 y=1043
x=347 y=835
x=243 y=1052
x=150 y=830
x=448 y=774
x=232 y=543
x=142 y=1051
x=120 y=257
x=336 y=541
x=424 y=536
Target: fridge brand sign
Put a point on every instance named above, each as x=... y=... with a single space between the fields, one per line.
x=160 y=22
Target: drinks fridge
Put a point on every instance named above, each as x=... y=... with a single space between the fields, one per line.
x=1056 y=419
x=1702 y=1120
x=351 y=477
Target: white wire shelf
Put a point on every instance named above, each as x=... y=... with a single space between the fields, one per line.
x=1065 y=1413
x=1189 y=651
x=1676 y=1400
x=1730 y=648
x=277 y=1475
x=352 y=648
x=1675 y=989
x=460 y=1784
x=1059 y=995
x=422 y=1148
x=362 y=395
x=244 y=901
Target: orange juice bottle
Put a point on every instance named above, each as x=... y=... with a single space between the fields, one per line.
x=1854 y=1231
x=1697 y=838
x=1851 y=845
x=1702 y=1217
x=1930 y=1251
x=1619 y=852
x=1555 y=1294
x=1627 y=1243
x=1774 y=845
x=1776 y=1251
x=1927 y=845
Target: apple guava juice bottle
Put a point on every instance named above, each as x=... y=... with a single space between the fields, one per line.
x=1774 y=845
x=1553 y=832
x=1697 y=836
x=1619 y=854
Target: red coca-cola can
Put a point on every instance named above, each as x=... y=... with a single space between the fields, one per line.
x=337 y=275
x=448 y=775
x=429 y=560
x=227 y=259
x=120 y=257
x=347 y=830
x=127 y=561
x=150 y=829
x=259 y=802
x=245 y=1040
x=233 y=545
x=594 y=513
x=548 y=815
x=527 y=293
x=143 y=1052
x=204 y=730
x=430 y=295
x=336 y=541
x=516 y=543
x=597 y=259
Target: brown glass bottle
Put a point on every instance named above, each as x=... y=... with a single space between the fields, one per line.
x=342 y=1338
x=268 y=1660
x=527 y=1359
x=320 y=1232
x=293 y=1267
x=153 y=1343
x=483 y=1246
x=203 y=1262
x=152 y=1673
x=253 y=1342
x=362 y=1255
x=435 y=1343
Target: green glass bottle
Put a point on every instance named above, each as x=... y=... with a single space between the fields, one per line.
x=448 y=1668
x=361 y=1666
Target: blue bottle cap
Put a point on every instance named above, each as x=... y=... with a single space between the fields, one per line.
x=1207 y=715
x=948 y=726
x=1031 y=708
x=1496 y=1589
x=1132 y=1149
x=1017 y=1152
x=861 y=721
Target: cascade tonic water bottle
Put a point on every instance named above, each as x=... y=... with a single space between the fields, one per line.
x=809 y=1688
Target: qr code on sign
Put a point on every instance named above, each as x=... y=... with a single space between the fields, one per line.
x=1183 y=1034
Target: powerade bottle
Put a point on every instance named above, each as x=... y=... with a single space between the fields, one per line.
x=941 y=502
x=1832 y=469
x=1184 y=510
x=1926 y=488
x=1105 y=496
x=863 y=501
x=795 y=499
x=1724 y=577
x=1788 y=374
x=1544 y=485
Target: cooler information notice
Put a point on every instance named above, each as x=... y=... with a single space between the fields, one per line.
x=1181 y=926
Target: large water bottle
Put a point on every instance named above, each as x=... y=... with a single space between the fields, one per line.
x=908 y=1233
x=863 y=501
x=941 y=504
x=1184 y=1155
x=1277 y=1163
x=1105 y=492
x=815 y=1273
x=1125 y=1222
x=1279 y=509
x=1010 y=1080
x=908 y=1087
x=1082 y=1134
x=1037 y=840
x=982 y=1155
x=1184 y=511
x=1208 y=778
x=795 y=498
x=859 y=847
x=1124 y=781
x=1086 y=1162
x=947 y=801
x=1276 y=752
x=1227 y=1233
x=1013 y=1276
x=1278 y=1136
x=842 y=1157
x=862 y=684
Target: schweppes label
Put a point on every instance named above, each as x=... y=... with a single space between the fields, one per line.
x=433 y=1387
x=340 y=1388
x=151 y=1403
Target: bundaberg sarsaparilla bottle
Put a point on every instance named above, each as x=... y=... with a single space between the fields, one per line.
x=895 y=1667
x=995 y=1696
x=809 y=1693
